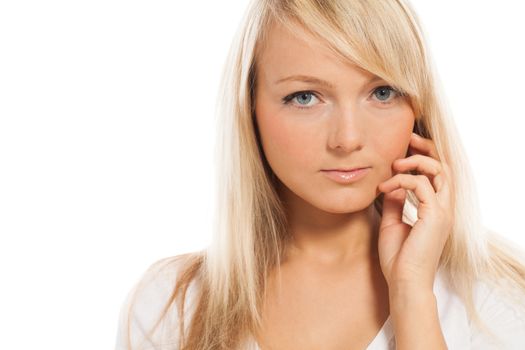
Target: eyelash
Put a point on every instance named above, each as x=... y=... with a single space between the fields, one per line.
x=286 y=100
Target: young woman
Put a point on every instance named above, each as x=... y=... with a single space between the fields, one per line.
x=346 y=218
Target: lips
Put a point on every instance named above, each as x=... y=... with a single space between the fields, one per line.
x=345 y=176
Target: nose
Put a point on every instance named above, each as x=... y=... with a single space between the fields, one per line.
x=345 y=130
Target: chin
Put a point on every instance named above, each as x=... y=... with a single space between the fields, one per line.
x=345 y=205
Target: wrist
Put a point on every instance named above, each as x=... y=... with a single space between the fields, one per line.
x=410 y=296
x=415 y=318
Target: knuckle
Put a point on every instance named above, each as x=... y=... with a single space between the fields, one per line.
x=422 y=178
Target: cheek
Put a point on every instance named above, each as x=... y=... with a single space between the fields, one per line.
x=287 y=145
x=288 y=142
x=391 y=144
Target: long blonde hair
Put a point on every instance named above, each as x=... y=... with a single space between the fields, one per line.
x=386 y=39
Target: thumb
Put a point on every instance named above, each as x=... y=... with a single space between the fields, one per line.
x=393 y=203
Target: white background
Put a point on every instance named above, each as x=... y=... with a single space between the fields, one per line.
x=106 y=144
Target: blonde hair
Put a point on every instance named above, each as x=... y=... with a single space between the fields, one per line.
x=386 y=39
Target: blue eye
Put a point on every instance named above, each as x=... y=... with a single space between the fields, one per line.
x=303 y=98
x=386 y=90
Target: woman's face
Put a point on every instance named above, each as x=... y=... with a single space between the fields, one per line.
x=346 y=123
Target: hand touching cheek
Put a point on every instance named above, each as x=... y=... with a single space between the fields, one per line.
x=409 y=256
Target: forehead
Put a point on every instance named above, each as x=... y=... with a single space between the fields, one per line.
x=298 y=52
x=283 y=46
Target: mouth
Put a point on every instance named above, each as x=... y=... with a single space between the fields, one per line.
x=343 y=176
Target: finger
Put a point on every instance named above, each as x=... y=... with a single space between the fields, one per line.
x=444 y=180
x=419 y=184
x=425 y=165
x=393 y=203
x=424 y=145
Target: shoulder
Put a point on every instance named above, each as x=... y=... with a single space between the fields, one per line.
x=504 y=317
x=504 y=320
x=140 y=325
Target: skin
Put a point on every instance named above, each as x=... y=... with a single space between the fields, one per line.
x=347 y=268
x=346 y=125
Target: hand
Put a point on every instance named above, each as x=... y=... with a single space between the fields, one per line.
x=410 y=255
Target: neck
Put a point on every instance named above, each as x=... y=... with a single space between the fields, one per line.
x=332 y=239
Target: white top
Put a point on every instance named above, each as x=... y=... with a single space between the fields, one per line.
x=504 y=320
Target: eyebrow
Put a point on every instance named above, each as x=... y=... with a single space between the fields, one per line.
x=314 y=80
